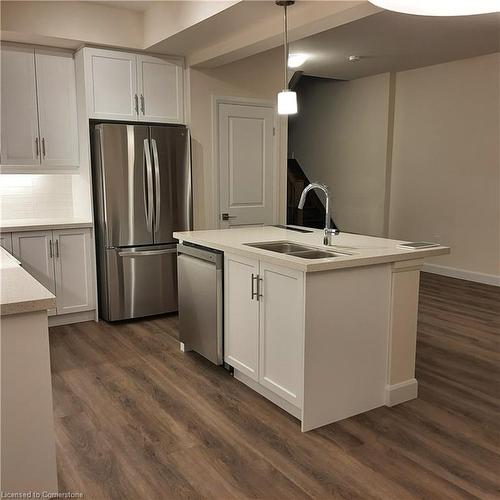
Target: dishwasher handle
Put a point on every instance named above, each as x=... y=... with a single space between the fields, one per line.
x=206 y=254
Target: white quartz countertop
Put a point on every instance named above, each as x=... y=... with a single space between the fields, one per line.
x=19 y=291
x=364 y=250
x=11 y=225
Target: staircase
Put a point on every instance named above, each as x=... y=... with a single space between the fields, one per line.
x=313 y=214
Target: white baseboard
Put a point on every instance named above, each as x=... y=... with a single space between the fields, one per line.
x=68 y=319
x=399 y=393
x=452 y=272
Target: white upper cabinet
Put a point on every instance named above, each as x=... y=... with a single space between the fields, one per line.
x=19 y=126
x=111 y=84
x=133 y=87
x=160 y=86
x=39 y=128
x=55 y=74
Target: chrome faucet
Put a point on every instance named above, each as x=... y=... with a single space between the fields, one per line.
x=328 y=232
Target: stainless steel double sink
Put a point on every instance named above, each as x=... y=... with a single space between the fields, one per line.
x=297 y=250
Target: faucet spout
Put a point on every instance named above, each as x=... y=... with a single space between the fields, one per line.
x=322 y=187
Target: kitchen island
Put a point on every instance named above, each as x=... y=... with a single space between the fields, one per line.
x=28 y=458
x=325 y=337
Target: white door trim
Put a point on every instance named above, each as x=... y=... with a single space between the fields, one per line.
x=242 y=101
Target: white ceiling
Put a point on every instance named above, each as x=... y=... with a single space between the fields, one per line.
x=132 y=5
x=389 y=41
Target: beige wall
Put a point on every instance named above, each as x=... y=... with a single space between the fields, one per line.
x=339 y=138
x=445 y=170
x=258 y=77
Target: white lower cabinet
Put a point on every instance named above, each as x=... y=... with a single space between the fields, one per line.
x=241 y=315
x=61 y=261
x=264 y=324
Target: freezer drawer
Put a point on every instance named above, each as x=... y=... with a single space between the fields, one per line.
x=141 y=281
x=200 y=301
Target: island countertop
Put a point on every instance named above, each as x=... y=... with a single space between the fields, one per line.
x=19 y=291
x=363 y=250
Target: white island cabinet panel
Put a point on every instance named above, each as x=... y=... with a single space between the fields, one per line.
x=111 y=84
x=19 y=115
x=281 y=331
x=241 y=315
x=55 y=75
x=73 y=270
x=160 y=86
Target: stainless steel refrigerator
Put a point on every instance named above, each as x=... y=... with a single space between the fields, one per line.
x=142 y=194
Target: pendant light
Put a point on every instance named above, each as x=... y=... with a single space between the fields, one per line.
x=287 y=99
x=440 y=7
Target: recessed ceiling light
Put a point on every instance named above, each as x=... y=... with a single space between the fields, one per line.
x=296 y=60
x=440 y=7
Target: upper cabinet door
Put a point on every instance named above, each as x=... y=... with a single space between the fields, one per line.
x=19 y=135
x=111 y=84
x=160 y=85
x=55 y=75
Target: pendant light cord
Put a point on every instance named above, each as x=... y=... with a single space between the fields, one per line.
x=285 y=22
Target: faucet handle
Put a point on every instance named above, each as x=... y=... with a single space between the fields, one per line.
x=328 y=233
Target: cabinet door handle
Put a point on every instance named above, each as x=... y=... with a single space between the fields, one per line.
x=37 y=147
x=44 y=153
x=259 y=281
x=143 y=107
x=57 y=248
x=136 y=99
x=254 y=293
x=51 y=253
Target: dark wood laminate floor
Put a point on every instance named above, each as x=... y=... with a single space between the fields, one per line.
x=137 y=419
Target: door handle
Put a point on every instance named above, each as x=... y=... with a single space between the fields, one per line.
x=254 y=293
x=37 y=147
x=57 y=248
x=148 y=192
x=157 y=185
x=259 y=281
x=51 y=253
x=227 y=216
x=143 y=107
x=146 y=253
x=136 y=101
x=43 y=147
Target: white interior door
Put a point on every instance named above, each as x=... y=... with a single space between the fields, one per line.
x=55 y=75
x=247 y=165
x=160 y=86
x=19 y=135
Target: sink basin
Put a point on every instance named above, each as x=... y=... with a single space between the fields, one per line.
x=297 y=250
x=280 y=246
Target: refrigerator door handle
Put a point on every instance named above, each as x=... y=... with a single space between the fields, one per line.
x=146 y=253
x=148 y=192
x=157 y=184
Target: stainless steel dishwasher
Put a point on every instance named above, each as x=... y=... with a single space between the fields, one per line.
x=200 y=284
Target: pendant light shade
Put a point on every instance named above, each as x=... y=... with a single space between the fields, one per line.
x=287 y=99
x=287 y=102
x=440 y=7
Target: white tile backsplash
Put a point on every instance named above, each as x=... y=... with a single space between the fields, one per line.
x=24 y=196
